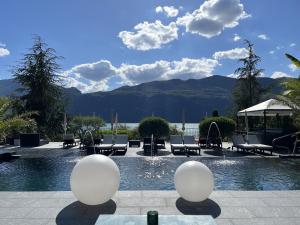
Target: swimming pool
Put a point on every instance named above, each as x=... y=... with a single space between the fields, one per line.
x=145 y=173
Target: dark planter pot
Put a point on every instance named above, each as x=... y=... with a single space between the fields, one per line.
x=29 y=140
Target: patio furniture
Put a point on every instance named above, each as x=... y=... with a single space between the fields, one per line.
x=189 y=143
x=106 y=144
x=29 y=140
x=147 y=145
x=134 y=143
x=162 y=220
x=239 y=143
x=160 y=143
x=69 y=140
x=176 y=143
x=120 y=143
x=253 y=140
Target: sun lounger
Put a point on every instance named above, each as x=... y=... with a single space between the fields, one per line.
x=253 y=140
x=69 y=140
x=239 y=143
x=106 y=144
x=148 y=145
x=189 y=143
x=120 y=143
x=176 y=143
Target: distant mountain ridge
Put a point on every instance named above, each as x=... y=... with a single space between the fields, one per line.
x=198 y=97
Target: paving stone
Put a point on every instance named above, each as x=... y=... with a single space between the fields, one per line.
x=44 y=213
x=123 y=202
x=161 y=210
x=235 y=212
x=24 y=221
x=282 y=201
x=160 y=194
x=15 y=213
x=271 y=212
x=254 y=194
x=240 y=202
x=223 y=221
x=128 y=210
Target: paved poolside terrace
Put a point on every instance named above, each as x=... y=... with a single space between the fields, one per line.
x=226 y=207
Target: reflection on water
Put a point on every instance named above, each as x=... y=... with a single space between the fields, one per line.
x=153 y=173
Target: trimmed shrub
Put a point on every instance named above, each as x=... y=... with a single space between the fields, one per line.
x=157 y=126
x=225 y=124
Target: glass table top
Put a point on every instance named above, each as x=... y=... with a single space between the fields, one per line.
x=162 y=220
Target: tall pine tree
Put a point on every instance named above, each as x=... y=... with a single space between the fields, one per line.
x=247 y=91
x=40 y=90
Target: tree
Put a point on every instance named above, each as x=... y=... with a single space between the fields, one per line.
x=247 y=90
x=80 y=124
x=40 y=90
x=157 y=126
x=291 y=95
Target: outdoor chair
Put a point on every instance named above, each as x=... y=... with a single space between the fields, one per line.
x=69 y=140
x=176 y=143
x=147 y=145
x=239 y=143
x=120 y=143
x=160 y=143
x=253 y=140
x=189 y=143
x=106 y=144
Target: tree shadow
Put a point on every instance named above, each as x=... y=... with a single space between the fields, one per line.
x=79 y=213
x=206 y=207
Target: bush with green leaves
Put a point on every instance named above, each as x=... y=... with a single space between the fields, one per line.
x=225 y=124
x=157 y=126
x=80 y=124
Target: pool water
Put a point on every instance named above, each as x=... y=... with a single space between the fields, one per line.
x=146 y=173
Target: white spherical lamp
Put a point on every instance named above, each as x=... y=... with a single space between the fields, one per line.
x=194 y=181
x=95 y=179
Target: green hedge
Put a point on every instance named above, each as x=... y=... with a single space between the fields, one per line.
x=157 y=126
x=132 y=133
x=225 y=124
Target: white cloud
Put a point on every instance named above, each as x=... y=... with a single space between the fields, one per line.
x=213 y=17
x=236 y=53
x=149 y=35
x=292 y=67
x=279 y=74
x=169 y=11
x=263 y=37
x=4 y=52
x=292 y=44
x=191 y=68
x=185 y=68
x=236 y=37
x=2 y=45
x=93 y=71
x=272 y=52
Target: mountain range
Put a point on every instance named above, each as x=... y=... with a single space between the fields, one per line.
x=197 y=97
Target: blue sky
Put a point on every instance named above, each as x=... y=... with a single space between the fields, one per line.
x=110 y=43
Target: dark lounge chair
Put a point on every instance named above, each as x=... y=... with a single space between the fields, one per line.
x=190 y=144
x=148 y=145
x=253 y=140
x=176 y=143
x=120 y=143
x=69 y=140
x=106 y=144
x=239 y=143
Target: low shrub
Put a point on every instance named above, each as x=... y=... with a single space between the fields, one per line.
x=225 y=124
x=157 y=126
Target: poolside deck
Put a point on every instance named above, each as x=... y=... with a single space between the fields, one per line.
x=227 y=207
x=55 y=149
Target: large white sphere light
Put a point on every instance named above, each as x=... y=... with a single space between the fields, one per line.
x=95 y=179
x=194 y=181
